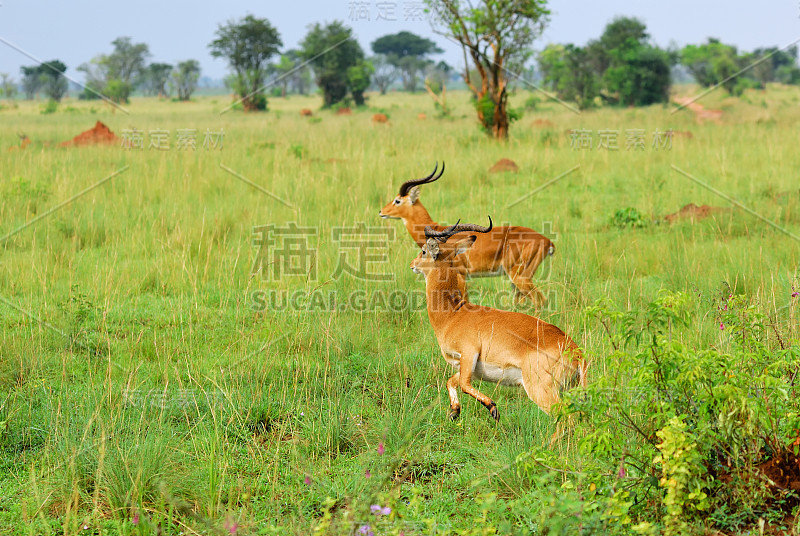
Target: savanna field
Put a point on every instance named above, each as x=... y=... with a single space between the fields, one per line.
x=143 y=389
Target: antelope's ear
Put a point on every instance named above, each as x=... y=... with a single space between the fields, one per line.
x=432 y=247
x=464 y=244
x=413 y=194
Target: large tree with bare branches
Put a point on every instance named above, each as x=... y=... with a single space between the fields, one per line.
x=497 y=36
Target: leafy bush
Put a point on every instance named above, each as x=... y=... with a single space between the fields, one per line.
x=298 y=150
x=688 y=431
x=628 y=217
x=742 y=84
x=259 y=102
x=50 y=107
x=485 y=106
x=531 y=103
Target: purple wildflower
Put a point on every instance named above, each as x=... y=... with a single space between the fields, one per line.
x=795 y=294
x=367 y=473
x=381 y=450
x=366 y=530
x=379 y=510
x=135 y=519
x=307 y=480
x=721 y=325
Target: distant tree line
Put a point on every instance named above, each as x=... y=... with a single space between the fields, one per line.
x=623 y=67
x=47 y=78
x=715 y=63
x=620 y=67
x=117 y=74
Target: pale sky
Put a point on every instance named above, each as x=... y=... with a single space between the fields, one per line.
x=77 y=30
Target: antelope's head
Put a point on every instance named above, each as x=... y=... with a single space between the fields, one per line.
x=401 y=207
x=440 y=252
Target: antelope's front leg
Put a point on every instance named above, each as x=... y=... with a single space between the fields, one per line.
x=467 y=367
x=452 y=391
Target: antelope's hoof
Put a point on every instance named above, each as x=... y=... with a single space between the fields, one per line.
x=493 y=412
x=454 y=413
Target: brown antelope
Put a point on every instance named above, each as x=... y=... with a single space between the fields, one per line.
x=504 y=347
x=515 y=251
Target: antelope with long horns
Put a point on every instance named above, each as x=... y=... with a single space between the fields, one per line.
x=504 y=347
x=515 y=251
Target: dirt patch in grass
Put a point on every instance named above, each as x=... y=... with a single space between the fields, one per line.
x=100 y=134
x=504 y=165
x=694 y=212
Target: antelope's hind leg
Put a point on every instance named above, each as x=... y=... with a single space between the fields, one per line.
x=452 y=391
x=521 y=274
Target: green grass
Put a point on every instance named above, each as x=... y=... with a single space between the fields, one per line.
x=136 y=381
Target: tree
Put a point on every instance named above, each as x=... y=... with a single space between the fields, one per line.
x=127 y=61
x=634 y=72
x=185 y=77
x=282 y=70
x=47 y=77
x=639 y=75
x=114 y=74
x=385 y=73
x=8 y=87
x=436 y=76
x=332 y=50
x=52 y=78
x=358 y=80
x=711 y=63
x=95 y=77
x=31 y=81
x=406 y=51
x=300 y=77
x=157 y=77
x=570 y=72
x=248 y=45
x=290 y=75
x=497 y=35
x=786 y=69
x=779 y=66
x=621 y=67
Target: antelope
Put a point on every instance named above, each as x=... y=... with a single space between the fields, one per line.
x=515 y=251
x=504 y=347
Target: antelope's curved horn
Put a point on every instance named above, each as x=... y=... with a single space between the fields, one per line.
x=442 y=236
x=406 y=186
x=430 y=232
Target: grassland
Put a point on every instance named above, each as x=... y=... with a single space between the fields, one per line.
x=138 y=387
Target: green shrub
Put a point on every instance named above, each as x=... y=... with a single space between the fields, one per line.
x=49 y=107
x=687 y=430
x=628 y=218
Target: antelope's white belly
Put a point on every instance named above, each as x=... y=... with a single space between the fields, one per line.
x=493 y=373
